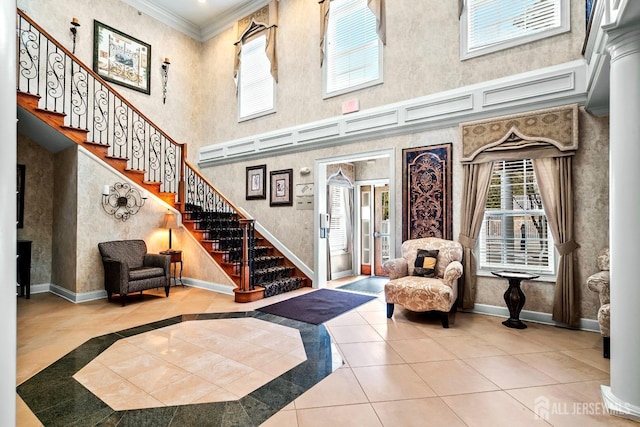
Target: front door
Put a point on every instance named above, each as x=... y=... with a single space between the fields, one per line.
x=375 y=232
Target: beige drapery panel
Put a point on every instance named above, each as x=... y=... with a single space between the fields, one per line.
x=262 y=21
x=550 y=138
x=376 y=6
x=555 y=183
x=477 y=177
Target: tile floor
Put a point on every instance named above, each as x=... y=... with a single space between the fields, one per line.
x=405 y=371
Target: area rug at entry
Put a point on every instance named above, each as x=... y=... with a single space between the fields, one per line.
x=318 y=306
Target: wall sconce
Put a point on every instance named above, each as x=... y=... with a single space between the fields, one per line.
x=169 y=222
x=165 y=78
x=121 y=200
x=74 y=30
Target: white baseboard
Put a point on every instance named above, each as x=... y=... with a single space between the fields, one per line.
x=533 y=316
x=102 y=294
x=209 y=286
x=618 y=407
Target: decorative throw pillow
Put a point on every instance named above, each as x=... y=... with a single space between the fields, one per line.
x=425 y=264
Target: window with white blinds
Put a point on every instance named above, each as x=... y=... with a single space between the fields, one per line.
x=338 y=226
x=515 y=233
x=491 y=25
x=256 y=85
x=353 y=50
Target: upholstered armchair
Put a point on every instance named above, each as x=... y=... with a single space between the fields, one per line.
x=425 y=278
x=599 y=282
x=129 y=268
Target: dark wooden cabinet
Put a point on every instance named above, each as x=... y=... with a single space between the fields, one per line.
x=24 y=267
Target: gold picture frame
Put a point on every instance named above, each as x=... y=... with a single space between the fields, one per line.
x=121 y=59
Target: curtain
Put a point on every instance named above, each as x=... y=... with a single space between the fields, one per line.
x=477 y=177
x=555 y=183
x=376 y=6
x=263 y=21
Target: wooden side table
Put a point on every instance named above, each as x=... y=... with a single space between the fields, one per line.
x=514 y=297
x=176 y=257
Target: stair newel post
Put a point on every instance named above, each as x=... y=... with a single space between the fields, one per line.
x=181 y=181
x=246 y=292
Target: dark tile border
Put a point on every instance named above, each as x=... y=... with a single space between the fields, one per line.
x=57 y=399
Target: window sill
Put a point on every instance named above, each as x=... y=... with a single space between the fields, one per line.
x=543 y=277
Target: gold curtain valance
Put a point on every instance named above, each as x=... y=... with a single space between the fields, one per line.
x=545 y=133
x=262 y=21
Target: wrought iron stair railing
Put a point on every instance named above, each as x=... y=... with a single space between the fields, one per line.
x=69 y=88
x=92 y=113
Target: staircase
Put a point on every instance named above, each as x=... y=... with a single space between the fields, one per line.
x=56 y=87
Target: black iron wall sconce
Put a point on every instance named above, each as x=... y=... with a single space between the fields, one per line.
x=121 y=200
x=74 y=30
x=165 y=79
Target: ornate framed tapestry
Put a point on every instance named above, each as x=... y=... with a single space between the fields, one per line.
x=426 y=192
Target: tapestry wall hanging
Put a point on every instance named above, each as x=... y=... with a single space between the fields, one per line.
x=426 y=192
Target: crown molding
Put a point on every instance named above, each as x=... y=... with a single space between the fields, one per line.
x=221 y=23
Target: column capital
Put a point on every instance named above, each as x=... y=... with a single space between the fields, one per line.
x=623 y=42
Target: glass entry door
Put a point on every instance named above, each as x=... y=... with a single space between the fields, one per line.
x=375 y=228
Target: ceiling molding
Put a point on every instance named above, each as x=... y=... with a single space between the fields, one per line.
x=221 y=23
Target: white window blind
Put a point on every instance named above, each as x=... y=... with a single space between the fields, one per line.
x=490 y=25
x=337 y=230
x=352 y=50
x=256 y=84
x=515 y=232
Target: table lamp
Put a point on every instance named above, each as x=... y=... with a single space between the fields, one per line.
x=169 y=222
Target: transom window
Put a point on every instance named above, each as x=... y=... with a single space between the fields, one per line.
x=490 y=25
x=515 y=233
x=353 y=50
x=256 y=85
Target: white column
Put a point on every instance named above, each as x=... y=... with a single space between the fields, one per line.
x=8 y=215
x=623 y=396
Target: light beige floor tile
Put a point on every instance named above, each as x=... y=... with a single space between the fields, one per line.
x=508 y=372
x=562 y=367
x=370 y=354
x=563 y=405
x=339 y=416
x=492 y=409
x=186 y=390
x=224 y=373
x=452 y=377
x=24 y=416
x=283 y=418
x=391 y=331
x=348 y=319
x=466 y=347
x=248 y=383
x=339 y=388
x=421 y=350
x=512 y=343
x=124 y=396
x=590 y=356
x=417 y=413
x=392 y=382
x=357 y=333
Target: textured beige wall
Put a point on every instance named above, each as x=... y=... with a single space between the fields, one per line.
x=95 y=225
x=591 y=186
x=38 y=205
x=180 y=117
x=421 y=58
x=65 y=219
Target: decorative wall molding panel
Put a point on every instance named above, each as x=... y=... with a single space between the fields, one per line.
x=543 y=88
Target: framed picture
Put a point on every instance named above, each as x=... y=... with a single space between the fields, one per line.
x=121 y=59
x=20 y=195
x=426 y=192
x=255 y=182
x=281 y=188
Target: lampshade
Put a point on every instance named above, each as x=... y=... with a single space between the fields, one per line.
x=169 y=221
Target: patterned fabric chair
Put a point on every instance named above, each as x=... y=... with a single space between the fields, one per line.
x=129 y=268
x=417 y=293
x=599 y=282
